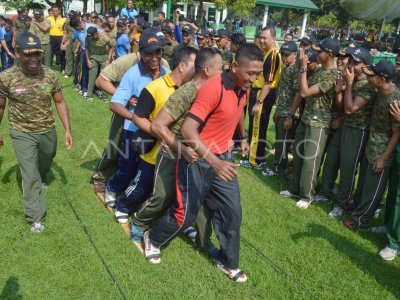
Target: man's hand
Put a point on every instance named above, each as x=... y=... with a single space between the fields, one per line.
x=395 y=110
x=335 y=124
x=303 y=59
x=89 y=64
x=340 y=85
x=288 y=123
x=348 y=74
x=133 y=101
x=1 y=141
x=189 y=155
x=225 y=170
x=379 y=165
x=107 y=62
x=256 y=109
x=245 y=148
x=68 y=139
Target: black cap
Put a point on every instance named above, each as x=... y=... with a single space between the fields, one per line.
x=21 y=9
x=73 y=14
x=308 y=40
x=383 y=68
x=202 y=33
x=107 y=15
x=166 y=30
x=25 y=18
x=348 y=51
x=312 y=55
x=28 y=43
x=121 y=23
x=187 y=29
x=38 y=12
x=156 y=23
x=288 y=48
x=362 y=55
x=91 y=31
x=146 y=25
x=151 y=40
x=223 y=33
x=330 y=45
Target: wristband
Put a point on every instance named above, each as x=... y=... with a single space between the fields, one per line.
x=258 y=101
x=303 y=70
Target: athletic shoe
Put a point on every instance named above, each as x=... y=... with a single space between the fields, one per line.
x=110 y=198
x=379 y=229
x=81 y=92
x=44 y=186
x=190 y=232
x=37 y=227
x=99 y=187
x=303 y=203
x=63 y=72
x=66 y=76
x=320 y=198
x=235 y=275
x=349 y=223
x=84 y=94
x=260 y=165
x=388 y=253
x=88 y=99
x=246 y=164
x=290 y=176
x=270 y=172
x=136 y=234
x=336 y=212
x=151 y=252
x=288 y=194
x=121 y=217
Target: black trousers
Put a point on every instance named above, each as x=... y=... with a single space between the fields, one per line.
x=55 y=43
x=196 y=184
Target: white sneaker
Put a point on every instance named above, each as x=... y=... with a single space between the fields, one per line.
x=110 y=198
x=84 y=94
x=288 y=194
x=44 y=186
x=320 y=198
x=236 y=275
x=121 y=217
x=37 y=227
x=336 y=212
x=151 y=253
x=388 y=253
x=379 y=229
x=190 y=232
x=303 y=203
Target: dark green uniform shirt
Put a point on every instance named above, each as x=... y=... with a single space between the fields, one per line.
x=69 y=30
x=318 y=109
x=190 y=44
x=227 y=56
x=29 y=108
x=98 y=46
x=19 y=25
x=43 y=36
x=362 y=118
x=169 y=51
x=381 y=127
x=287 y=88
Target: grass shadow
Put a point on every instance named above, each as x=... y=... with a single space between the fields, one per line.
x=90 y=164
x=10 y=172
x=365 y=260
x=11 y=289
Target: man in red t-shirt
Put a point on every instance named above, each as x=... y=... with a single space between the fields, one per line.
x=216 y=113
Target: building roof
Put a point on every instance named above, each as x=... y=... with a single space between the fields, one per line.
x=292 y=4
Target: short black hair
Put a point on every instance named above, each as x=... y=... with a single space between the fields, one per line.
x=287 y=34
x=238 y=39
x=2 y=18
x=74 y=22
x=249 y=52
x=271 y=30
x=55 y=6
x=204 y=56
x=105 y=24
x=9 y=22
x=161 y=13
x=182 y=55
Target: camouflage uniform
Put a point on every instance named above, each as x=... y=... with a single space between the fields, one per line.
x=98 y=53
x=347 y=146
x=190 y=44
x=113 y=36
x=312 y=134
x=44 y=39
x=287 y=88
x=70 y=61
x=19 y=26
x=164 y=193
x=227 y=57
x=32 y=130
x=371 y=186
x=169 y=50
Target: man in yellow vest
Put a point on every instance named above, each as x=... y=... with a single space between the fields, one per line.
x=56 y=36
x=262 y=99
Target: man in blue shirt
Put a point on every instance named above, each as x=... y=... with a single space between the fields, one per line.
x=4 y=47
x=123 y=47
x=129 y=11
x=123 y=103
x=80 y=33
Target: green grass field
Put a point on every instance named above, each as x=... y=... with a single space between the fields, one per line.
x=83 y=253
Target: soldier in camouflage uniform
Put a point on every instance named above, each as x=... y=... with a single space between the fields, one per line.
x=379 y=152
x=167 y=126
x=19 y=24
x=346 y=149
x=312 y=131
x=41 y=28
x=223 y=42
x=287 y=91
x=30 y=87
x=68 y=46
x=98 y=55
x=202 y=38
x=187 y=36
x=169 y=49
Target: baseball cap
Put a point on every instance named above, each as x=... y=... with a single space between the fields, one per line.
x=308 y=40
x=91 y=31
x=288 y=48
x=223 y=33
x=25 y=18
x=166 y=30
x=38 y=12
x=312 y=55
x=362 y=55
x=28 y=43
x=330 y=45
x=187 y=29
x=21 y=9
x=121 y=23
x=151 y=40
x=201 y=33
x=73 y=14
x=348 y=51
x=383 y=68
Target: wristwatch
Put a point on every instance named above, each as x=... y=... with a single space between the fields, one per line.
x=303 y=69
x=258 y=101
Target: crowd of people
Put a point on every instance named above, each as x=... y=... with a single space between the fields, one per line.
x=179 y=97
